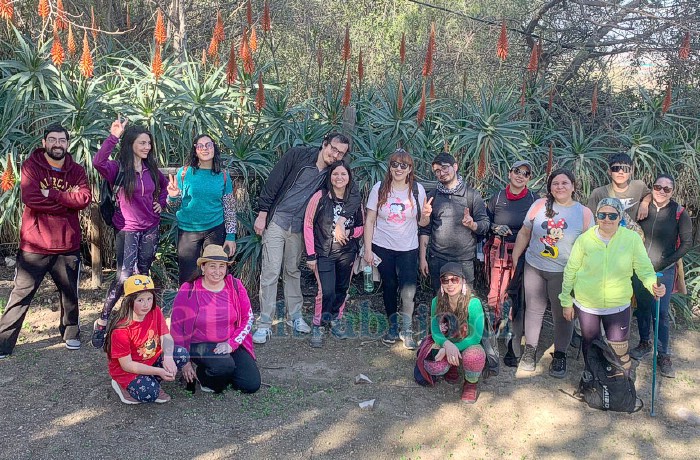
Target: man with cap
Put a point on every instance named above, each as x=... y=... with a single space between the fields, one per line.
x=457 y=216
x=506 y=211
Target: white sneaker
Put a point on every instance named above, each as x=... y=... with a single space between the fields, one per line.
x=262 y=334
x=300 y=325
x=73 y=344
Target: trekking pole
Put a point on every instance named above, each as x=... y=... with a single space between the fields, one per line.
x=656 y=345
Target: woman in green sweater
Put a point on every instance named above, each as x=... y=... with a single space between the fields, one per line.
x=456 y=324
x=599 y=271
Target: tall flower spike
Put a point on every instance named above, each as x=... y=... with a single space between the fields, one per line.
x=399 y=97
x=429 y=53
x=594 y=100
x=204 y=57
x=319 y=56
x=346 y=44
x=246 y=55
x=260 y=95
x=213 y=47
x=128 y=17
x=219 y=28
x=402 y=48
x=61 y=23
x=93 y=23
x=684 y=51
x=58 y=55
x=157 y=64
x=420 y=116
x=44 y=9
x=432 y=89
x=360 y=68
x=347 y=94
x=502 y=45
x=266 y=21
x=534 y=54
x=253 y=40
x=72 y=47
x=667 y=99
x=232 y=66
x=481 y=167
x=7 y=181
x=87 y=67
x=522 y=94
x=6 y=10
x=160 y=34
x=249 y=13
x=550 y=159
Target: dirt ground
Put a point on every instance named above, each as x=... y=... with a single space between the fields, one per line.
x=59 y=404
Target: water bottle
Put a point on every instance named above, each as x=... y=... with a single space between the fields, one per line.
x=369 y=282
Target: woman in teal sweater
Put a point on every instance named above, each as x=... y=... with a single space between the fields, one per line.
x=203 y=194
x=457 y=324
x=599 y=271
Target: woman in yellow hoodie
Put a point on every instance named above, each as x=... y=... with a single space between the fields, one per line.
x=599 y=271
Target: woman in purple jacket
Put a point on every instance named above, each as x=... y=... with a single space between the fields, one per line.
x=141 y=192
x=212 y=319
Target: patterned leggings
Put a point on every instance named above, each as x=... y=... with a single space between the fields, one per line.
x=473 y=360
x=145 y=388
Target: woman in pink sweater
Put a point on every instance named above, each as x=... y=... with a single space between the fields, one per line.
x=212 y=318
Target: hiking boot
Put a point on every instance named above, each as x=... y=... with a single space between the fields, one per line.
x=98 y=335
x=452 y=376
x=262 y=335
x=299 y=325
x=338 y=330
x=316 y=340
x=665 y=366
x=124 y=395
x=557 y=368
x=527 y=360
x=390 y=337
x=407 y=338
x=73 y=344
x=640 y=351
x=163 y=397
x=470 y=393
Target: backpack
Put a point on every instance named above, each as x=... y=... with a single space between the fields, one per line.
x=108 y=197
x=607 y=386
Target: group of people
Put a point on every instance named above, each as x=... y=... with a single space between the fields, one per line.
x=311 y=204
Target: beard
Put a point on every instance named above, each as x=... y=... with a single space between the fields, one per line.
x=444 y=180
x=56 y=153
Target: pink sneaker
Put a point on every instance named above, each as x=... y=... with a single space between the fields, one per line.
x=470 y=393
x=163 y=397
x=123 y=394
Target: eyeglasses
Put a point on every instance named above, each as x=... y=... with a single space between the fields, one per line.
x=609 y=215
x=399 y=164
x=443 y=168
x=621 y=168
x=658 y=188
x=450 y=280
x=53 y=140
x=206 y=145
x=337 y=152
x=521 y=172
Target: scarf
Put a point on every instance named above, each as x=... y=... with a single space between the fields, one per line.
x=512 y=197
x=451 y=191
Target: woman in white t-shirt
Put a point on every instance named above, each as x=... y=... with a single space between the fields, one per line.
x=391 y=233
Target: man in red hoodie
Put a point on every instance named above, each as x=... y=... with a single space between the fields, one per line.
x=54 y=190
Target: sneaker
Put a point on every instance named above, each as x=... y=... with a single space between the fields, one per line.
x=527 y=360
x=509 y=359
x=205 y=389
x=640 y=351
x=261 y=335
x=470 y=393
x=557 y=368
x=390 y=337
x=338 y=330
x=665 y=366
x=163 y=397
x=407 y=338
x=3 y=355
x=300 y=325
x=452 y=376
x=98 y=335
x=124 y=395
x=316 y=337
x=73 y=344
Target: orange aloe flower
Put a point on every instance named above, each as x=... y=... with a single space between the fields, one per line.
x=260 y=95
x=6 y=10
x=666 y=105
x=594 y=100
x=502 y=45
x=157 y=64
x=399 y=97
x=128 y=17
x=87 y=67
x=61 y=23
x=534 y=59
x=266 y=22
x=58 y=55
x=347 y=94
x=360 y=68
x=160 y=34
x=402 y=48
x=72 y=47
x=44 y=9
x=246 y=54
x=430 y=52
x=346 y=44
x=213 y=47
x=481 y=167
x=7 y=181
x=249 y=13
x=232 y=66
x=421 y=108
x=253 y=40
x=684 y=51
x=219 y=35
x=93 y=23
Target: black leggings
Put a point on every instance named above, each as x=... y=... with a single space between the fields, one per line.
x=219 y=371
x=334 y=275
x=399 y=273
x=190 y=245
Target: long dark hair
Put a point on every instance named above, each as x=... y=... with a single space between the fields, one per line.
x=549 y=205
x=402 y=156
x=329 y=185
x=461 y=314
x=193 y=160
x=122 y=317
x=126 y=159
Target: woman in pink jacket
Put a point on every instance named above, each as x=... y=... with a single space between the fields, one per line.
x=212 y=319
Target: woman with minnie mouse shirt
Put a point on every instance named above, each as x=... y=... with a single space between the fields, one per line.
x=551 y=226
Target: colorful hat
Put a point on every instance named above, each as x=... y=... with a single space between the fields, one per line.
x=138 y=283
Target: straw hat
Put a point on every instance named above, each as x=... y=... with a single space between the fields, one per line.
x=214 y=253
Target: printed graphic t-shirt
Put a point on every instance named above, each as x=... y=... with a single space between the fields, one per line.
x=397 y=226
x=141 y=340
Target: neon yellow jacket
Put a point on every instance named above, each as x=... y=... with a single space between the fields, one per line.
x=601 y=275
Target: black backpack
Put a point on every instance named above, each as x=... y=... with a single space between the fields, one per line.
x=607 y=386
x=108 y=197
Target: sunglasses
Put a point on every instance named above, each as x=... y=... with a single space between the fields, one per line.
x=450 y=280
x=658 y=188
x=521 y=172
x=609 y=215
x=621 y=168
x=398 y=164
x=207 y=145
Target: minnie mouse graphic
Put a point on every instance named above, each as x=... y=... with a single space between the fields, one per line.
x=555 y=232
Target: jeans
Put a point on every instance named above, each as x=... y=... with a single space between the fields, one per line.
x=399 y=273
x=219 y=371
x=333 y=277
x=646 y=309
x=435 y=264
x=146 y=388
x=190 y=246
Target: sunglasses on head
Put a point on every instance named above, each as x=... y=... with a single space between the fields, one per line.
x=521 y=172
x=399 y=164
x=658 y=188
x=621 y=168
x=609 y=215
x=450 y=280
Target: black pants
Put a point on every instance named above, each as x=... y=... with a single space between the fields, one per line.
x=190 y=245
x=435 y=264
x=219 y=371
x=399 y=273
x=334 y=274
x=31 y=269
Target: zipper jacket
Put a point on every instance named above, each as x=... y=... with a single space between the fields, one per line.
x=666 y=238
x=319 y=226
